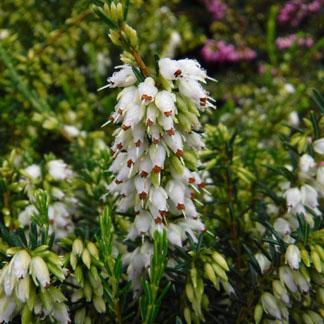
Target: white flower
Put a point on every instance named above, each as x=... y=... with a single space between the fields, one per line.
x=192 y=69
x=306 y=163
x=282 y=226
x=270 y=305
x=60 y=313
x=170 y=69
x=176 y=191
x=25 y=216
x=7 y=308
x=301 y=282
x=319 y=146
x=165 y=101
x=151 y=115
x=132 y=117
x=143 y=222
x=175 y=143
x=294 y=200
x=174 y=234
x=263 y=262
x=147 y=91
x=39 y=272
x=293 y=118
x=289 y=88
x=286 y=277
x=157 y=155
x=309 y=196
x=158 y=198
x=33 y=171
x=123 y=78
x=320 y=176
x=23 y=289
x=292 y=256
x=142 y=186
x=71 y=131
x=20 y=264
x=59 y=170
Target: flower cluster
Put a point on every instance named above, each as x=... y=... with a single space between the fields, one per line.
x=19 y=280
x=155 y=151
x=294 y=11
x=221 y=52
x=292 y=39
x=216 y=8
x=62 y=206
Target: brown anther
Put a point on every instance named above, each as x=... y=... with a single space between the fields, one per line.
x=119 y=146
x=156 y=169
x=125 y=127
x=168 y=113
x=138 y=143
x=179 y=153
x=120 y=111
x=143 y=174
x=163 y=213
x=170 y=132
x=149 y=122
x=193 y=195
x=143 y=195
x=118 y=181
x=155 y=140
x=191 y=180
x=177 y=73
x=181 y=206
x=146 y=98
x=201 y=185
x=203 y=101
x=51 y=221
x=111 y=118
x=130 y=163
x=158 y=220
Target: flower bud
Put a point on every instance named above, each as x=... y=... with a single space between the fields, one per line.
x=319 y=146
x=258 y=312
x=219 y=259
x=92 y=248
x=23 y=288
x=77 y=247
x=316 y=260
x=286 y=277
x=209 y=272
x=280 y=291
x=263 y=261
x=99 y=304
x=86 y=258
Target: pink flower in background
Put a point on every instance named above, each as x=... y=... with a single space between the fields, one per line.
x=216 y=8
x=294 y=11
x=291 y=40
x=219 y=51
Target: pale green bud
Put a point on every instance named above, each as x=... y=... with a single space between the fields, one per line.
x=87 y=292
x=258 y=312
x=280 y=291
x=77 y=295
x=193 y=276
x=77 y=247
x=210 y=273
x=73 y=260
x=39 y=272
x=219 y=271
x=79 y=316
x=99 y=304
x=220 y=260
x=305 y=257
x=307 y=319
x=316 y=260
x=270 y=305
x=115 y=38
x=320 y=251
x=190 y=292
x=92 y=248
x=316 y=318
x=86 y=258
x=51 y=123
x=187 y=315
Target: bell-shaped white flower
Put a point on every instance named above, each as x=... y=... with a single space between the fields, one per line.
x=59 y=170
x=157 y=155
x=33 y=171
x=175 y=143
x=174 y=234
x=282 y=226
x=23 y=289
x=126 y=98
x=158 y=198
x=319 y=146
x=39 y=272
x=142 y=186
x=192 y=69
x=194 y=140
x=286 y=277
x=309 y=196
x=143 y=222
x=170 y=69
x=26 y=215
x=152 y=113
x=7 y=308
x=165 y=101
x=306 y=163
x=145 y=166
x=263 y=261
x=168 y=125
x=294 y=199
x=301 y=282
x=292 y=256
x=125 y=77
x=20 y=264
x=176 y=192
x=147 y=91
x=132 y=117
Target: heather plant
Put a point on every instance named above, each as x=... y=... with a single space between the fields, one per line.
x=161 y=162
